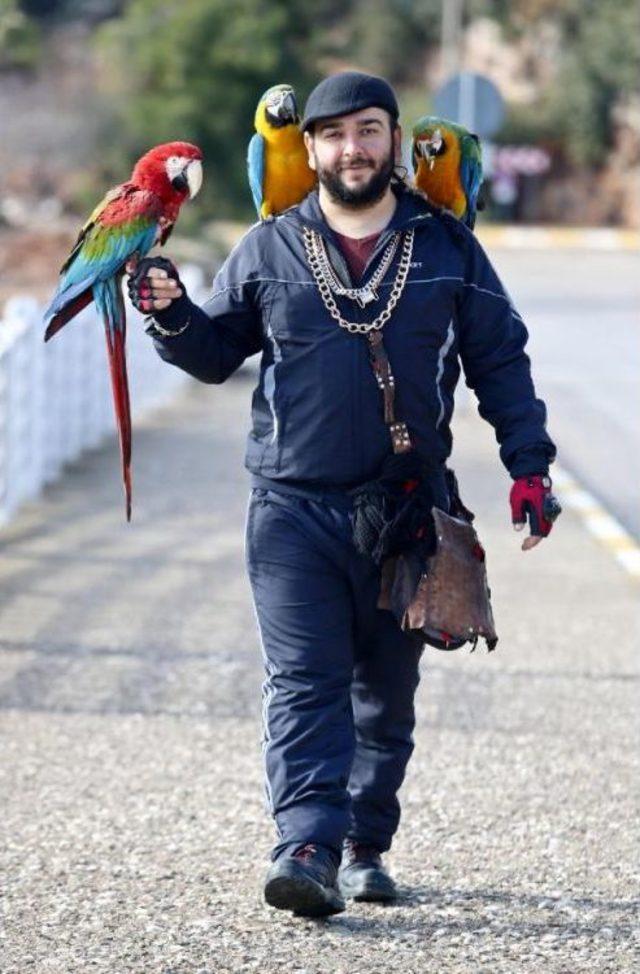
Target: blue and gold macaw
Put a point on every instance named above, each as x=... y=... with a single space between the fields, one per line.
x=447 y=163
x=279 y=173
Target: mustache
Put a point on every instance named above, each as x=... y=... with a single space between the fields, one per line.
x=357 y=164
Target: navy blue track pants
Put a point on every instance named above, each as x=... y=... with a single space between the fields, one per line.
x=340 y=677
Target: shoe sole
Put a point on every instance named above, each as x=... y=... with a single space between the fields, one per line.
x=371 y=891
x=374 y=896
x=302 y=897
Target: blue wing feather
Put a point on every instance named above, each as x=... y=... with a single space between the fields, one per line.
x=118 y=249
x=83 y=272
x=255 y=168
x=471 y=178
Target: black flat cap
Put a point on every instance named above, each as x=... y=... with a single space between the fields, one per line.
x=347 y=92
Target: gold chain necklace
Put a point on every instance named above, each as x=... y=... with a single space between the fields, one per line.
x=314 y=248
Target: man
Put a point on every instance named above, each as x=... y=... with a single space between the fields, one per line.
x=360 y=252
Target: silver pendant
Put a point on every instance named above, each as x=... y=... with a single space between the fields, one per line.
x=366 y=296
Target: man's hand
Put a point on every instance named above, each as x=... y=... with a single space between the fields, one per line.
x=531 y=497
x=154 y=284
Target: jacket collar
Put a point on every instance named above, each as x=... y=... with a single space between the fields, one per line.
x=411 y=209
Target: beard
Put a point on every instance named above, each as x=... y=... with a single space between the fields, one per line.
x=359 y=197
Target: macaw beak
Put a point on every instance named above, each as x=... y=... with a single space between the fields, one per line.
x=194 y=177
x=431 y=146
x=288 y=108
x=283 y=112
x=189 y=180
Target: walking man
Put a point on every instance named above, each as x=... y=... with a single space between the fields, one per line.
x=361 y=255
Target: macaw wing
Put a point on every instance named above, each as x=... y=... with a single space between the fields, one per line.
x=124 y=224
x=114 y=194
x=255 y=168
x=471 y=174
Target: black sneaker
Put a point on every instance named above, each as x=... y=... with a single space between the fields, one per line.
x=304 y=883
x=362 y=876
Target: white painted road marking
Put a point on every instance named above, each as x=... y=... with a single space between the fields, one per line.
x=602 y=525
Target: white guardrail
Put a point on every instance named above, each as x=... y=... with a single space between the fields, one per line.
x=55 y=399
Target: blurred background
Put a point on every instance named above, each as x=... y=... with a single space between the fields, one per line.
x=87 y=85
x=552 y=88
x=129 y=673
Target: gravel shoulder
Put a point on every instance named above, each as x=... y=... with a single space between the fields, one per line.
x=135 y=835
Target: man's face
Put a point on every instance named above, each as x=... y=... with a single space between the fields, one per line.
x=354 y=155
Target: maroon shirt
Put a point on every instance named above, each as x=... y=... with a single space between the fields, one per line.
x=357 y=252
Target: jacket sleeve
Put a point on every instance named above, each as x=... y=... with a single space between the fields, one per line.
x=222 y=333
x=492 y=342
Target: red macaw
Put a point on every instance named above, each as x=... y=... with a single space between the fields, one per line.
x=129 y=221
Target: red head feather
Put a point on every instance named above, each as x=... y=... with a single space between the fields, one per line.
x=150 y=171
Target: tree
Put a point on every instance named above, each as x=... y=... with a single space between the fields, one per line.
x=195 y=71
x=392 y=37
x=19 y=39
x=599 y=67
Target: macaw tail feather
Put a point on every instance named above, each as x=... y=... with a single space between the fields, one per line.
x=66 y=305
x=108 y=298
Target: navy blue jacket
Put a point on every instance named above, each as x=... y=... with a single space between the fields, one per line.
x=317 y=416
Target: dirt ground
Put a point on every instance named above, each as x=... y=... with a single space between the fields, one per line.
x=30 y=260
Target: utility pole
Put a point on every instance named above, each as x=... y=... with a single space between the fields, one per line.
x=451 y=37
x=451 y=48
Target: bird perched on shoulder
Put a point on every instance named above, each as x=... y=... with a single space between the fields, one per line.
x=447 y=163
x=127 y=223
x=279 y=173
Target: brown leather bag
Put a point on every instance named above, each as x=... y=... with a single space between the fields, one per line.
x=448 y=604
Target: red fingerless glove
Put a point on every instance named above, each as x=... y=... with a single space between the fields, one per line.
x=531 y=497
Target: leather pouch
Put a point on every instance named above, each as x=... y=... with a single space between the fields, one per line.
x=447 y=603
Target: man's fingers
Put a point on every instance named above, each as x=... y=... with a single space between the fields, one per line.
x=165 y=293
x=151 y=287
x=518 y=525
x=163 y=287
x=160 y=283
x=531 y=542
x=155 y=290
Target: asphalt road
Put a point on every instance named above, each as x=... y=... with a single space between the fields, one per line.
x=134 y=840
x=583 y=312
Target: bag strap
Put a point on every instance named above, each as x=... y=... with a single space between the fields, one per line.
x=400 y=438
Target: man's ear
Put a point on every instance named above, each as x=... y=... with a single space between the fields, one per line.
x=308 y=144
x=397 y=144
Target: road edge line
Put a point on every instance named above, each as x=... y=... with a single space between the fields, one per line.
x=543 y=237
x=600 y=524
